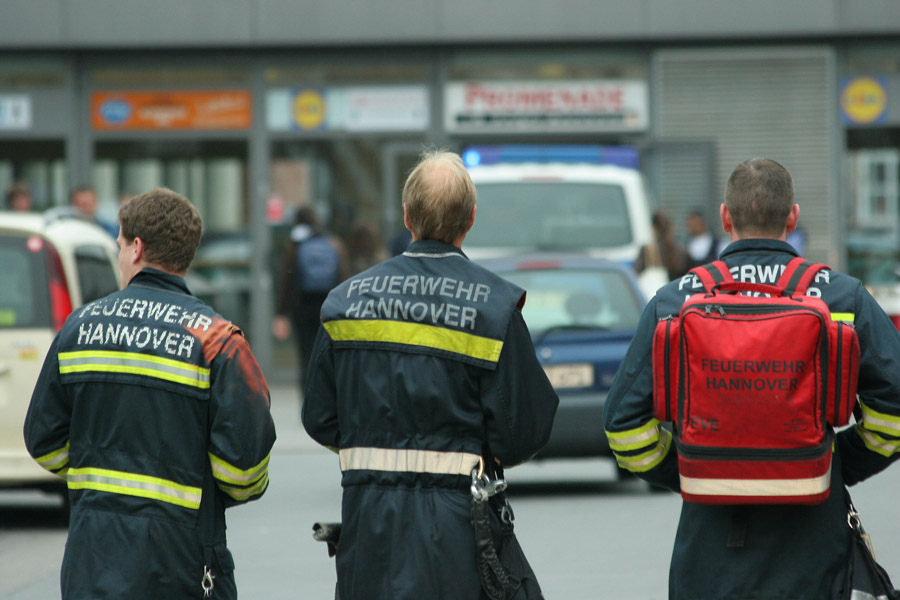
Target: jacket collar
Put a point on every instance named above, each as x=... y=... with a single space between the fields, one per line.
x=757 y=245
x=434 y=248
x=150 y=277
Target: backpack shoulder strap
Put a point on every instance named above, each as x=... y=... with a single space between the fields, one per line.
x=713 y=274
x=798 y=275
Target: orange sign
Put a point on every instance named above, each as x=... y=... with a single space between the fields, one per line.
x=230 y=109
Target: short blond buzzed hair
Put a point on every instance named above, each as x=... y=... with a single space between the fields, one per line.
x=439 y=197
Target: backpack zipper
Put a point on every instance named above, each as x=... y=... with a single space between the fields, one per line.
x=768 y=454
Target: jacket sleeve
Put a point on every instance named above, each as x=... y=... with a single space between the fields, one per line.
x=47 y=421
x=637 y=439
x=518 y=401
x=242 y=431
x=319 y=410
x=874 y=442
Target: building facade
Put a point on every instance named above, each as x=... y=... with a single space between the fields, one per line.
x=254 y=108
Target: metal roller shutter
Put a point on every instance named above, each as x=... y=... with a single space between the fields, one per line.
x=756 y=102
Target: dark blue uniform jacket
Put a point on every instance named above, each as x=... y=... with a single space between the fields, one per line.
x=788 y=552
x=156 y=413
x=421 y=362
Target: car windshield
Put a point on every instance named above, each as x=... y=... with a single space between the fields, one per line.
x=550 y=214
x=24 y=299
x=576 y=299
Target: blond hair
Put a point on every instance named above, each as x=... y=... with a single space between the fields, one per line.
x=439 y=197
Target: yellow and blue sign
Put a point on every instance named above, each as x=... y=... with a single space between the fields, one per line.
x=864 y=100
x=309 y=109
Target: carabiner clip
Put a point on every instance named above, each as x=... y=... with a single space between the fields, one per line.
x=207 y=582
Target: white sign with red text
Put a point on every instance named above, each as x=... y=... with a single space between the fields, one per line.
x=608 y=105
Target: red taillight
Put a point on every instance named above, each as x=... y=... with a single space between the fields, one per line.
x=538 y=265
x=60 y=300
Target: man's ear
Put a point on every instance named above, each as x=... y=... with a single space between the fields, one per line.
x=406 y=221
x=472 y=218
x=793 y=218
x=137 y=251
x=727 y=225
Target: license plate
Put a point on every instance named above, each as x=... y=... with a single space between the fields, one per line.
x=570 y=376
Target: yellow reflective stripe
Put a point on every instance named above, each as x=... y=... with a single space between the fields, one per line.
x=878 y=421
x=638 y=463
x=241 y=493
x=756 y=487
x=55 y=460
x=228 y=473
x=878 y=444
x=633 y=439
x=133 y=484
x=135 y=363
x=415 y=334
x=847 y=317
x=408 y=460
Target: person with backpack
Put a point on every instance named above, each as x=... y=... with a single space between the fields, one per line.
x=313 y=264
x=755 y=360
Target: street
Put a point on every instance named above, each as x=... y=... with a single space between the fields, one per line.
x=586 y=535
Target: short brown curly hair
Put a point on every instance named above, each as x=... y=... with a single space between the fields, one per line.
x=168 y=224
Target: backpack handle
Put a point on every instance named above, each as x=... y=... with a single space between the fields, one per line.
x=763 y=288
x=798 y=274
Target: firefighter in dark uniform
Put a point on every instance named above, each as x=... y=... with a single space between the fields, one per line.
x=774 y=551
x=423 y=364
x=154 y=410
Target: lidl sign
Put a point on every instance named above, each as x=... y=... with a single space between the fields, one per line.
x=864 y=100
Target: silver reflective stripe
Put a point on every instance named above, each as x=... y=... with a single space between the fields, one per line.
x=861 y=595
x=756 y=487
x=877 y=443
x=408 y=461
x=56 y=459
x=633 y=439
x=134 y=363
x=134 y=484
x=427 y=255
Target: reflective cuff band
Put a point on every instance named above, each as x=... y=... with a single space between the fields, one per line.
x=245 y=493
x=408 y=461
x=873 y=420
x=228 y=473
x=846 y=317
x=756 y=487
x=56 y=460
x=133 y=363
x=632 y=439
x=133 y=484
x=878 y=444
x=415 y=334
x=639 y=463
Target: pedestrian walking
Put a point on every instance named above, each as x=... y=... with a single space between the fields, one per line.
x=313 y=262
x=154 y=410
x=423 y=372
x=737 y=538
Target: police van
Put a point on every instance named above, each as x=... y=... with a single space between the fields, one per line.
x=589 y=199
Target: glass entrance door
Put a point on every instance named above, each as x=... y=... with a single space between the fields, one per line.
x=39 y=165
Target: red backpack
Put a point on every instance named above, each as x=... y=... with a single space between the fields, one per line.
x=754 y=377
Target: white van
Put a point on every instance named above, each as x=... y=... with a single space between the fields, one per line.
x=51 y=264
x=602 y=210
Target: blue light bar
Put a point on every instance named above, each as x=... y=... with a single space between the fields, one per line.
x=623 y=156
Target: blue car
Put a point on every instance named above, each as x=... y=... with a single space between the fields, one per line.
x=582 y=313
